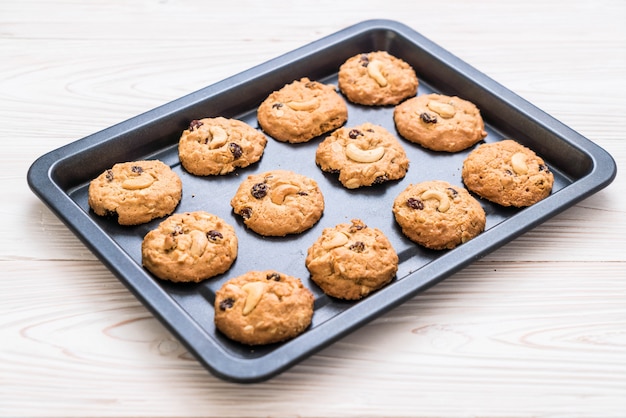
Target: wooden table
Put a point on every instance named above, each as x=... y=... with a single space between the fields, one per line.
x=537 y=328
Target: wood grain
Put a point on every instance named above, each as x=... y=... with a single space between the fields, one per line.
x=535 y=329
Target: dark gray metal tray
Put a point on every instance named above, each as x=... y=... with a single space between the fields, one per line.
x=61 y=178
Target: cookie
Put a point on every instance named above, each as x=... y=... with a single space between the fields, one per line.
x=217 y=146
x=377 y=79
x=301 y=111
x=135 y=192
x=437 y=215
x=263 y=307
x=362 y=156
x=351 y=260
x=278 y=203
x=507 y=173
x=189 y=247
x=439 y=122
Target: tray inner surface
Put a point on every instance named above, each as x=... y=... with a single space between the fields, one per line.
x=156 y=137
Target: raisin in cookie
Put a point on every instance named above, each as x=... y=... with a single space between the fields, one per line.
x=439 y=122
x=437 y=215
x=189 y=247
x=376 y=79
x=351 y=260
x=216 y=146
x=263 y=307
x=302 y=110
x=278 y=202
x=364 y=155
x=507 y=173
x=135 y=192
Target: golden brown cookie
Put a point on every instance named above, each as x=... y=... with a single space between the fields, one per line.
x=135 y=192
x=351 y=260
x=278 y=202
x=507 y=173
x=439 y=122
x=189 y=247
x=263 y=307
x=376 y=79
x=216 y=146
x=363 y=155
x=302 y=110
x=437 y=215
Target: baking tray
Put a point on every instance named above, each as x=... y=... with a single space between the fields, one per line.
x=61 y=178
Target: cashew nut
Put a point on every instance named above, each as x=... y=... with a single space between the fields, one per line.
x=255 y=291
x=338 y=240
x=445 y=110
x=375 y=71
x=307 y=105
x=199 y=242
x=444 y=200
x=218 y=137
x=279 y=193
x=359 y=155
x=518 y=162
x=141 y=181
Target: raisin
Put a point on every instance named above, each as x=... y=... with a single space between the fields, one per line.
x=302 y=193
x=111 y=213
x=364 y=60
x=227 y=303
x=543 y=167
x=136 y=169
x=194 y=124
x=358 y=247
x=235 y=149
x=178 y=230
x=354 y=133
x=415 y=203
x=259 y=190
x=214 y=235
x=509 y=172
x=109 y=175
x=381 y=179
x=311 y=85
x=357 y=226
x=273 y=276
x=428 y=118
x=277 y=105
x=246 y=213
x=453 y=192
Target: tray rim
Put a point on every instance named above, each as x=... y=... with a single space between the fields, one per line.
x=41 y=180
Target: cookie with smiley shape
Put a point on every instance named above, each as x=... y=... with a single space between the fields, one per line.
x=363 y=155
x=278 y=202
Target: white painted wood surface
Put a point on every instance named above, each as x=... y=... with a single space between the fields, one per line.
x=536 y=329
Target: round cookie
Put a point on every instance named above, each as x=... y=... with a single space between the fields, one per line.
x=302 y=110
x=278 y=202
x=216 y=146
x=364 y=155
x=351 y=260
x=439 y=122
x=377 y=79
x=189 y=247
x=263 y=307
x=437 y=215
x=507 y=173
x=135 y=192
